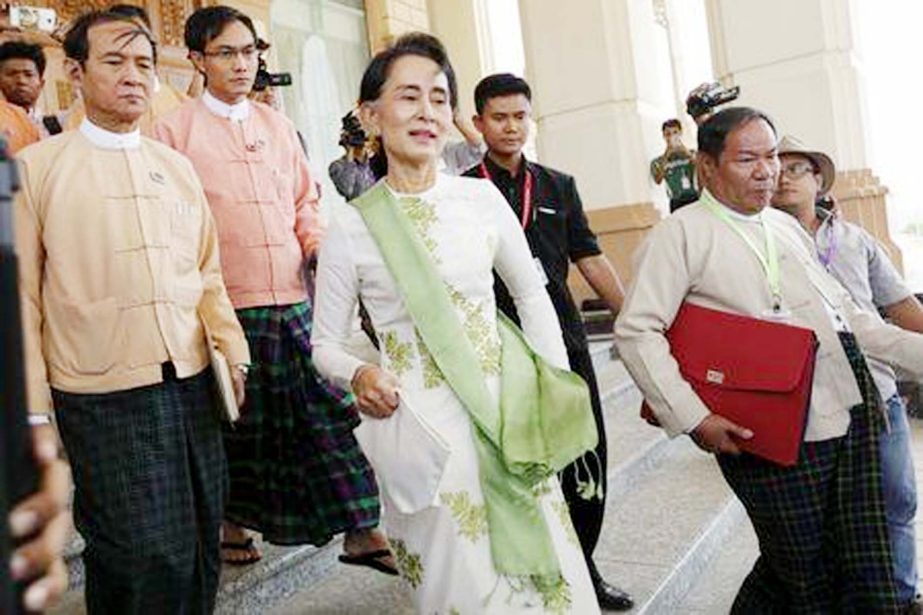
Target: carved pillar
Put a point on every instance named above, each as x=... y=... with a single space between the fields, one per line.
x=388 y=19
x=813 y=86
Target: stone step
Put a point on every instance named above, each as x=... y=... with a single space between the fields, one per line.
x=374 y=592
x=716 y=587
x=662 y=533
x=698 y=562
x=656 y=539
x=285 y=570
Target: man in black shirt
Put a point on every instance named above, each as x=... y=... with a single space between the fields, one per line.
x=548 y=206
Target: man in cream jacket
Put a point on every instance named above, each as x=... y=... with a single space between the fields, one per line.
x=119 y=269
x=820 y=523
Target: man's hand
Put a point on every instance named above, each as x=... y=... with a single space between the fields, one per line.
x=472 y=136
x=376 y=391
x=239 y=380
x=43 y=519
x=602 y=278
x=716 y=434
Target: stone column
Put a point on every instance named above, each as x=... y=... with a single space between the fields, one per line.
x=458 y=24
x=799 y=61
x=602 y=85
x=388 y=19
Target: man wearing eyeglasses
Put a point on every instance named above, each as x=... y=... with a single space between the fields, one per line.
x=860 y=264
x=297 y=474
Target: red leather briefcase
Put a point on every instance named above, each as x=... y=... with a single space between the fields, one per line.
x=753 y=372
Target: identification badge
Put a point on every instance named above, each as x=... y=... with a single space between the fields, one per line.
x=779 y=316
x=541 y=271
x=686 y=183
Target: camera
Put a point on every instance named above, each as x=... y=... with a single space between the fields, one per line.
x=351 y=132
x=265 y=79
x=707 y=96
x=33 y=18
x=825 y=202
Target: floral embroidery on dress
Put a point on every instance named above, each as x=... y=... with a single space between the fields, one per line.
x=541 y=489
x=483 y=336
x=432 y=375
x=471 y=519
x=399 y=353
x=423 y=217
x=561 y=509
x=410 y=564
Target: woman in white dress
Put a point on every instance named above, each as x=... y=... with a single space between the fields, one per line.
x=444 y=551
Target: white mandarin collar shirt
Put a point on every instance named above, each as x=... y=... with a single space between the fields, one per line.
x=106 y=139
x=237 y=112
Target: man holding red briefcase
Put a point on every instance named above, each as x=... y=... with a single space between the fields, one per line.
x=738 y=337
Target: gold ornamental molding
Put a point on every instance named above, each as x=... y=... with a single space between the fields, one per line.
x=68 y=9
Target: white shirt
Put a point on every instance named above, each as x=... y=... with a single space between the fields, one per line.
x=237 y=112
x=107 y=139
x=836 y=319
x=470 y=230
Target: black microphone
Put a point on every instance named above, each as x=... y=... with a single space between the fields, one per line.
x=18 y=473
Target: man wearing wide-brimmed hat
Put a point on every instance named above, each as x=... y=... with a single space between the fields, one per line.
x=861 y=264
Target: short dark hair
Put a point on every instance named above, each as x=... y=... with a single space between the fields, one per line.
x=77 y=41
x=132 y=11
x=208 y=23
x=671 y=123
x=410 y=44
x=714 y=132
x=19 y=50
x=500 y=84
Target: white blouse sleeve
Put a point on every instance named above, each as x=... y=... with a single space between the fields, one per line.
x=515 y=264
x=336 y=295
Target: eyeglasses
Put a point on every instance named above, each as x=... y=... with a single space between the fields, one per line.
x=229 y=54
x=796 y=169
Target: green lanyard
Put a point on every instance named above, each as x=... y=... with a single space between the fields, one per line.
x=770 y=261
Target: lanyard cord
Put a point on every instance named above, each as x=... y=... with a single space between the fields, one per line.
x=826 y=257
x=770 y=261
x=526 y=193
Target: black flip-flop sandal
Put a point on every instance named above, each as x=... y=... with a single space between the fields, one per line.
x=372 y=559
x=246 y=545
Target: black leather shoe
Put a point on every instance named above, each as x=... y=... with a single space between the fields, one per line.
x=611 y=598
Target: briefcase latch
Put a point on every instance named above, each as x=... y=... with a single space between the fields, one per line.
x=714 y=376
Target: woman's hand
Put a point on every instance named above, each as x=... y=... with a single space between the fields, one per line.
x=43 y=521
x=376 y=391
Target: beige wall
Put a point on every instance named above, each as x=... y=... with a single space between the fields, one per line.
x=388 y=19
x=456 y=24
x=812 y=86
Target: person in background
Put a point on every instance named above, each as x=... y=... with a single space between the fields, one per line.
x=351 y=173
x=551 y=215
x=22 y=70
x=16 y=129
x=297 y=473
x=862 y=266
x=459 y=156
x=676 y=166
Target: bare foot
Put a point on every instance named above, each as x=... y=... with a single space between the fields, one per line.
x=237 y=545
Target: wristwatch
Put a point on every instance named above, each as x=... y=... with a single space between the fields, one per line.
x=38 y=419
